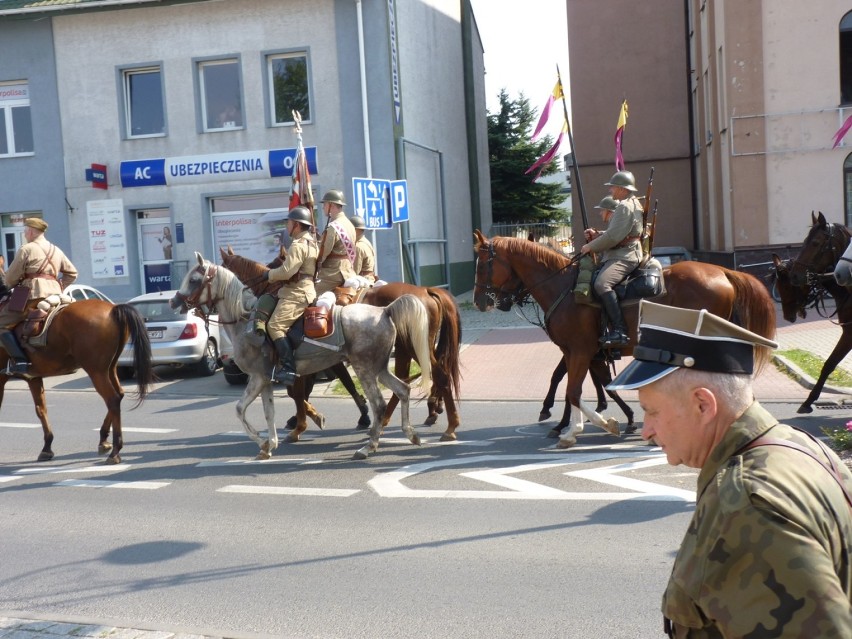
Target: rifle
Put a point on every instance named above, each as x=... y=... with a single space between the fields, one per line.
x=645 y=206
x=653 y=228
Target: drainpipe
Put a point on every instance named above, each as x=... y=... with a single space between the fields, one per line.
x=362 y=61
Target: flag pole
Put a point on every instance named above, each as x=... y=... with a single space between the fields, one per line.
x=574 y=164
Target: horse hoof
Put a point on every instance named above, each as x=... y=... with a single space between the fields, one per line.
x=611 y=427
x=263 y=455
x=112 y=460
x=360 y=454
x=360 y=426
x=566 y=443
x=553 y=434
x=630 y=429
x=45 y=455
x=415 y=440
x=104 y=448
x=805 y=409
x=545 y=414
x=449 y=437
x=430 y=421
x=319 y=420
x=291 y=423
x=292 y=438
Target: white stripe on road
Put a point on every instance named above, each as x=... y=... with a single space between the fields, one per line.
x=3 y=480
x=154 y=431
x=18 y=425
x=403 y=441
x=42 y=470
x=286 y=490
x=256 y=462
x=95 y=483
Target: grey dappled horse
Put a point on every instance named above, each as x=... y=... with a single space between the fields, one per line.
x=843 y=269
x=368 y=334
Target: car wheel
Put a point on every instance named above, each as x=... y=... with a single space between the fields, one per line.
x=124 y=372
x=209 y=361
x=233 y=375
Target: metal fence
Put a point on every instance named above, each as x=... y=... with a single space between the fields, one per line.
x=553 y=234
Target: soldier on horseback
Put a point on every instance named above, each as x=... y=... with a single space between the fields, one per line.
x=36 y=268
x=296 y=294
x=337 y=246
x=620 y=249
x=365 y=254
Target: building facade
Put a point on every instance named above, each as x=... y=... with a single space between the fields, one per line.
x=187 y=107
x=734 y=103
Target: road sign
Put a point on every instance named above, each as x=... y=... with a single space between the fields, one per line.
x=371 y=202
x=399 y=200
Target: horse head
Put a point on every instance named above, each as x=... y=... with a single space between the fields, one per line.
x=196 y=289
x=497 y=284
x=821 y=250
x=794 y=299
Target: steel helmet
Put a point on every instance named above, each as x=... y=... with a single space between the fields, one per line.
x=335 y=197
x=357 y=222
x=623 y=179
x=607 y=204
x=301 y=214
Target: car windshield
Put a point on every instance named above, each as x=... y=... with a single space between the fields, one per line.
x=158 y=311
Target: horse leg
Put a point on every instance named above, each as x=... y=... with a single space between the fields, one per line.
x=377 y=403
x=257 y=384
x=631 y=427
x=577 y=370
x=360 y=401
x=316 y=417
x=401 y=368
x=599 y=382
x=550 y=398
x=446 y=393
x=298 y=390
x=36 y=385
x=106 y=389
x=843 y=346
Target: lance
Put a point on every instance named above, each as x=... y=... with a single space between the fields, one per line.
x=578 y=185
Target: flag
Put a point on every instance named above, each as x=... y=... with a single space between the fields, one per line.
x=619 y=136
x=300 y=187
x=841 y=132
x=549 y=155
x=545 y=112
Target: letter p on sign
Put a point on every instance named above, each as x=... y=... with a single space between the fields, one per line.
x=399 y=200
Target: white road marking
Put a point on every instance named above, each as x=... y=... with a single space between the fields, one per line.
x=432 y=442
x=256 y=462
x=5 y=479
x=44 y=470
x=96 y=483
x=155 y=431
x=286 y=490
x=18 y=425
x=607 y=475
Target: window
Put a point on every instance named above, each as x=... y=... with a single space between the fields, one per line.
x=846 y=59
x=16 y=127
x=144 y=110
x=221 y=95
x=847 y=188
x=288 y=87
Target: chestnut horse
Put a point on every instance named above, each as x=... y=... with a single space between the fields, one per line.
x=89 y=334
x=508 y=269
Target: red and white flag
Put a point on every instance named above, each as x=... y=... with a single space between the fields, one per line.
x=300 y=188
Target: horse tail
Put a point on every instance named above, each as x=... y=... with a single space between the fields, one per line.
x=411 y=320
x=131 y=325
x=449 y=338
x=753 y=309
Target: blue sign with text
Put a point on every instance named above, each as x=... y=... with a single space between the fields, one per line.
x=372 y=202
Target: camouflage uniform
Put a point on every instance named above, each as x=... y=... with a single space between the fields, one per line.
x=298 y=291
x=768 y=551
x=336 y=266
x=365 y=259
x=619 y=246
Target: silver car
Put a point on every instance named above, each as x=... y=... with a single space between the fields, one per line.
x=178 y=339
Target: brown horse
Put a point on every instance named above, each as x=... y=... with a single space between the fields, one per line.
x=89 y=334
x=508 y=269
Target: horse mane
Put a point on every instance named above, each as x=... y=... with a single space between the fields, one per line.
x=230 y=291
x=545 y=255
x=247 y=270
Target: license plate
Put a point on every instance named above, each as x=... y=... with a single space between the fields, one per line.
x=155 y=334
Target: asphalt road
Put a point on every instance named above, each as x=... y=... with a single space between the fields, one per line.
x=498 y=535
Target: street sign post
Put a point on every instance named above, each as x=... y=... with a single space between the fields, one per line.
x=399 y=200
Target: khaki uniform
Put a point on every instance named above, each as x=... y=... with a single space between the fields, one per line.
x=769 y=550
x=619 y=246
x=365 y=259
x=298 y=291
x=30 y=270
x=336 y=265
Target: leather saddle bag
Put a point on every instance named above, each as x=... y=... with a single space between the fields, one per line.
x=318 y=322
x=18 y=299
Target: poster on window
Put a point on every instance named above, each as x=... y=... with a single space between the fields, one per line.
x=256 y=235
x=107 y=238
x=157 y=242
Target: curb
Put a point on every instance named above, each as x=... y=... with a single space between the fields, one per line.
x=806 y=380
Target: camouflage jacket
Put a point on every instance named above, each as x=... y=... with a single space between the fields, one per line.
x=768 y=550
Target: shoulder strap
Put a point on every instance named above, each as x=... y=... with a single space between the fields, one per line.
x=829 y=465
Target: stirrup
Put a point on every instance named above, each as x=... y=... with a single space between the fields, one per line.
x=285 y=376
x=614 y=338
x=15 y=368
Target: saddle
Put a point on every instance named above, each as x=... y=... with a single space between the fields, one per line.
x=32 y=332
x=645 y=281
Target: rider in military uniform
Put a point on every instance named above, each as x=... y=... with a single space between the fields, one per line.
x=37 y=267
x=297 y=293
x=365 y=255
x=620 y=248
x=767 y=553
x=337 y=246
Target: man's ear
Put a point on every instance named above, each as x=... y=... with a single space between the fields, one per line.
x=706 y=403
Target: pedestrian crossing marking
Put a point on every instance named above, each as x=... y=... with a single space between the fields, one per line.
x=42 y=470
x=100 y=483
x=289 y=490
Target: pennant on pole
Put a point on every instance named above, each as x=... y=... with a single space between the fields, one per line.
x=300 y=188
x=555 y=95
x=619 y=136
x=841 y=132
x=549 y=155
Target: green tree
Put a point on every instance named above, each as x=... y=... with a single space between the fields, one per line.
x=514 y=195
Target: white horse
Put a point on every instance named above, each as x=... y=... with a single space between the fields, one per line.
x=364 y=335
x=843 y=269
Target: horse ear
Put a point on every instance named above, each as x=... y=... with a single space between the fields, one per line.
x=223 y=254
x=479 y=238
x=813 y=218
x=199 y=258
x=777 y=261
x=230 y=250
x=822 y=221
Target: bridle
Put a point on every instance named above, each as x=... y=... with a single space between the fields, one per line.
x=193 y=300
x=836 y=252
x=499 y=296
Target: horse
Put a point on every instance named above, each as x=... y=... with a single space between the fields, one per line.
x=444 y=333
x=89 y=334
x=251 y=272
x=822 y=249
x=843 y=269
x=368 y=336
x=509 y=269
x=601 y=376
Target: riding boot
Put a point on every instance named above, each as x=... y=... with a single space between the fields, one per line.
x=285 y=370
x=617 y=335
x=18 y=363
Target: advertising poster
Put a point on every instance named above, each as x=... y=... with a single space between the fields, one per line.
x=256 y=235
x=107 y=238
x=157 y=241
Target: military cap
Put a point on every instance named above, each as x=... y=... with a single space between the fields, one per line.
x=36 y=223
x=607 y=204
x=357 y=222
x=335 y=197
x=672 y=338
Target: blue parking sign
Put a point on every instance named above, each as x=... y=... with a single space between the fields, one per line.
x=399 y=200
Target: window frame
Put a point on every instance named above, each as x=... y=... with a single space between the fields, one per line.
x=6 y=112
x=124 y=73
x=267 y=58
x=201 y=97
x=844 y=36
